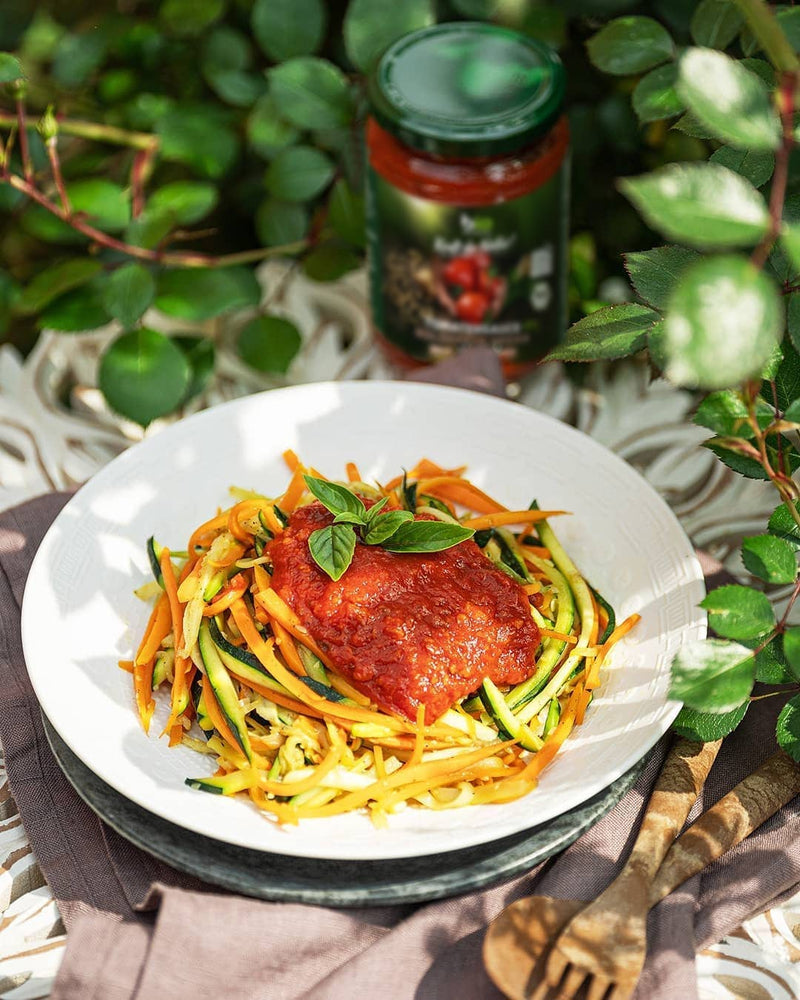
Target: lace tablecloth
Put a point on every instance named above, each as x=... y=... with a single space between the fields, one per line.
x=45 y=445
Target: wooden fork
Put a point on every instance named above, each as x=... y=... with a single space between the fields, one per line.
x=516 y=945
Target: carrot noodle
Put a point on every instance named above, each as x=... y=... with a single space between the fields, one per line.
x=242 y=669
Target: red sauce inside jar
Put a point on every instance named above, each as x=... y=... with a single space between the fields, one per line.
x=467 y=196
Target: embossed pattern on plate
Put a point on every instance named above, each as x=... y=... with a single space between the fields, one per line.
x=80 y=615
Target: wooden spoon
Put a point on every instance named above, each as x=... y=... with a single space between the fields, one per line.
x=517 y=942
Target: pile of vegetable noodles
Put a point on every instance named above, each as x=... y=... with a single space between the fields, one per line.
x=249 y=687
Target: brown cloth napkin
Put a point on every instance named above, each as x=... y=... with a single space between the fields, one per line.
x=138 y=930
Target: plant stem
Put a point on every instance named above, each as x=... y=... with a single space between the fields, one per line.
x=58 y=177
x=25 y=153
x=769 y=34
x=97 y=131
x=782 y=483
x=174 y=259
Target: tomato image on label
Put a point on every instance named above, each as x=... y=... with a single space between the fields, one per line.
x=471 y=307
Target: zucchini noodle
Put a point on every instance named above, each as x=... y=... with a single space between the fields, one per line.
x=249 y=687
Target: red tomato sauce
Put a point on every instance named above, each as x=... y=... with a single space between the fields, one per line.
x=408 y=629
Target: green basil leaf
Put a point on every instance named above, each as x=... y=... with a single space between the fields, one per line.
x=128 y=292
x=703 y=204
x=311 y=93
x=198 y=294
x=332 y=548
x=370 y=26
x=770 y=558
x=783 y=525
x=427 y=536
x=10 y=69
x=655 y=97
x=746 y=116
x=630 y=45
x=336 y=498
x=755 y=165
x=347 y=517
x=144 y=375
x=710 y=675
x=715 y=23
x=288 y=28
x=719 y=304
x=299 y=173
x=708 y=726
x=385 y=526
x=269 y=343
x=613 y=332
x=737 y=612
x=55 y=281
x=787 y=729
x=185 y=201
x=654 y=273
x=376 y=508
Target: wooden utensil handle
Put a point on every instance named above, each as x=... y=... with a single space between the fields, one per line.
x=682 y=776
x=728 y=822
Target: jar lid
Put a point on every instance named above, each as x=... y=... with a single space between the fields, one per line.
x=467 y=89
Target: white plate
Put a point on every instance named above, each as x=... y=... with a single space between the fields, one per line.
x=80 y=616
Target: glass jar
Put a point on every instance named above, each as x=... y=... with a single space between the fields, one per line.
x=467 y=196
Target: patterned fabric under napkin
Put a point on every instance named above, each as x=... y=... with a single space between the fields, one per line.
x=139 y=930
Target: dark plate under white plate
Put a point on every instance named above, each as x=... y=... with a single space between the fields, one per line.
x=326 y=882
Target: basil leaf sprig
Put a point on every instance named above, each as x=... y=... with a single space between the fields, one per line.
x=332 y=548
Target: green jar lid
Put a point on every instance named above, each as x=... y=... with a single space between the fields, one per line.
x=467 y=89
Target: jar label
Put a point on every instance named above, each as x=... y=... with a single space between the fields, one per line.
x=444 y=276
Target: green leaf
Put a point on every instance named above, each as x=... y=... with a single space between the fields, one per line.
x=737 y=612
x=199 y=352
x=10 y=69
x=720 y=305
x=288 y=28
x=269 y=343
x=128 y=292
x=385 y=525
x=655 y=345
x=200 y=138
x=791 y=651
x=745 y=465
x=198 y=294
x=56 y=280
x=332 y=548
x=771 y=665
x=703 y=204
x=330 y=261
x=280 y=222
x=655 y=96
x=299 y=173
x=654 y=272
x=427 y=536
x=375 y=509
x=148 y=229
x=311 y=93
x=106 y=205
x=225 y=49
x=710 y=675
x=787 y=729
x=77 y=56
x=345 y=517
x=346 y=213
x=790 y=238
x=237 y=87
x=613 y=332
x=185 y=201
x=630 y=45
x=706 y=727
x=783 y=525
x=725 y=413
x=770 y=558
x=755 y=165
x=267 y=132
x=370 y=26
x=715 y=23
x=336 y=498
x=78 y=310
x=144 y=375
x=786 y=379
x=187 y=18
x=728 y=99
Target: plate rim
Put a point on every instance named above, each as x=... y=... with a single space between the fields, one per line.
x=697 y=628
